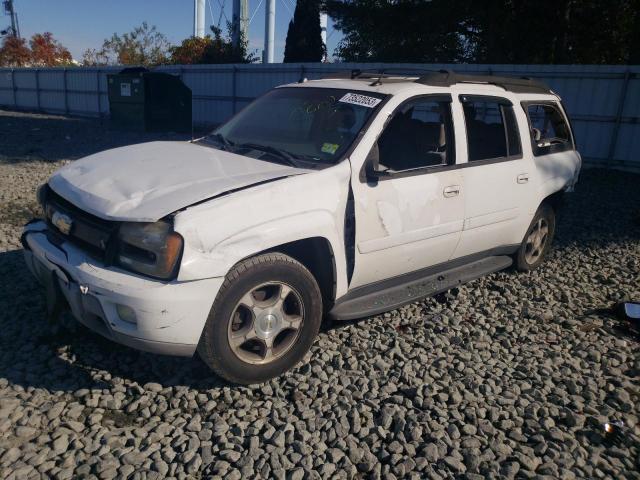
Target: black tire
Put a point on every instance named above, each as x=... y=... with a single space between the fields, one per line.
x=215 y=346
x=524 y=260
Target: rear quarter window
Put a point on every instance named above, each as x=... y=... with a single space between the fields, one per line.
x=548 y=128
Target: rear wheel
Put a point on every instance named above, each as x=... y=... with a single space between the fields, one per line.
x=263 y=321
x=537 y=241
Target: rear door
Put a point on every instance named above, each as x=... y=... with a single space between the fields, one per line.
x=496 y=177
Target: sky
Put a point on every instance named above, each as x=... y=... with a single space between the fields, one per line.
x=82 y=24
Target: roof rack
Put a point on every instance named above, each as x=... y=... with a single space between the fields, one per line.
x=377 y=75
x=446 y=78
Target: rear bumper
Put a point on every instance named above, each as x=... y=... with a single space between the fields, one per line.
x=169 y=317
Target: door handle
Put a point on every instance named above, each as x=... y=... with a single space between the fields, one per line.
x=523 y=178
x=451 y=191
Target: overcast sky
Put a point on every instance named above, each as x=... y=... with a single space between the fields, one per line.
x=82 y=24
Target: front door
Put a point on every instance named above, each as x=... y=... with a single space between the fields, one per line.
x=410 y=217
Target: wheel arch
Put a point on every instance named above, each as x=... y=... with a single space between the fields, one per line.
x=317 y=255
x=554 y=200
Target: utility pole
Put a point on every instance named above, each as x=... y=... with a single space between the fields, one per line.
x=323 y=32
x=198 y=18
x=269 y=31
x=10 y=10
x=240 y=22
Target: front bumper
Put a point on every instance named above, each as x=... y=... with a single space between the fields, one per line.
x=169 y=317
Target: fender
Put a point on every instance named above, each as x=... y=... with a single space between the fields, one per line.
x=221 y=232
x=218 y=260
x=548 y=188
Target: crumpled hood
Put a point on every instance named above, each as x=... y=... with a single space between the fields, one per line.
x=147 y=181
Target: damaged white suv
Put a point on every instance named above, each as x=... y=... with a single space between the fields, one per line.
x=340 y=198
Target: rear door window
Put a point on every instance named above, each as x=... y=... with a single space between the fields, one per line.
x=492 y=132
x=549 y=130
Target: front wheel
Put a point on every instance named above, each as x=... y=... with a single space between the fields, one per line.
x=263 y=321
x=537 y=241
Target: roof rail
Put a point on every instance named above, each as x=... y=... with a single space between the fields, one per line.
x=377 y=75
x=446 y=78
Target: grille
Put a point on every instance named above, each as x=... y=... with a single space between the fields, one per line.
x=90 y=233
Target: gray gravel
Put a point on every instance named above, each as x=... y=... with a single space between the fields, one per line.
x=511 y=376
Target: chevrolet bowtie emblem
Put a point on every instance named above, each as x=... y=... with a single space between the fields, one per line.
x=62 y=222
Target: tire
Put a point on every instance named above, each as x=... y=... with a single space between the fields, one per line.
x=252 y=310
x=532 y=253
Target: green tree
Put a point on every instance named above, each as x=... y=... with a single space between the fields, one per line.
x=402 y=30
x=304 y=36
x=569 y=31
x=144 y=45
x=488 y=31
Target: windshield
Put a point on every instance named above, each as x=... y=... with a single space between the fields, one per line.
x=298 y=126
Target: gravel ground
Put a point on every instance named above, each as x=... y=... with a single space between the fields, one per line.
x=511 y=376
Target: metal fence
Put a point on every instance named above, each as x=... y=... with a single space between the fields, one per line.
x=603 y=101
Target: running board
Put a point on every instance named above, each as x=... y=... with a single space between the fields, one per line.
x=370 y=302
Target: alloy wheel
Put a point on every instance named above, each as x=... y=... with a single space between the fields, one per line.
x=266 y=323
x=536 y=241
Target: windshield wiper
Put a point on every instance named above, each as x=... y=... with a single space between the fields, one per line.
x=222 y=140
x=288 y=158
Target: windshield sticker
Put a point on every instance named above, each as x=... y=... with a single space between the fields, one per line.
x=362 y=100
x=331 y=148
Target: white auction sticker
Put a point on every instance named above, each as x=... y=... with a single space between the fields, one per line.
x=362 y=100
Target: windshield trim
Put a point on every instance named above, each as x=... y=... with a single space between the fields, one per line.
x=385 y=97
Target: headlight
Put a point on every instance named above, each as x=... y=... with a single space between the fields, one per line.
x=152 y=249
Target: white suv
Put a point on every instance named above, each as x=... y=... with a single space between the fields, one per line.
x=341 y=198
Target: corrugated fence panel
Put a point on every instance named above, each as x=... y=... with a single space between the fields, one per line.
x=602 y=100
x=25 y=88
x=51 y=86
x=6 y=88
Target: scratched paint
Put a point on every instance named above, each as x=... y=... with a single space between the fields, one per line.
x=390 y=218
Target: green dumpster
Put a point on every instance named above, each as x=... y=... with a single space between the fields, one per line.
x=151 y=101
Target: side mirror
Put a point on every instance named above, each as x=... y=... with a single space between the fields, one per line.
x=372 y=164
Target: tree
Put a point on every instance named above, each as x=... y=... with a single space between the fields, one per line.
x=48 y=52
x=570 y=31
x=210 y=50
x=14 y=52
x=304 y=36
x=191 y=51
x=144 y=45
x=92 y=57
x=401 y=30
x=488 y=31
